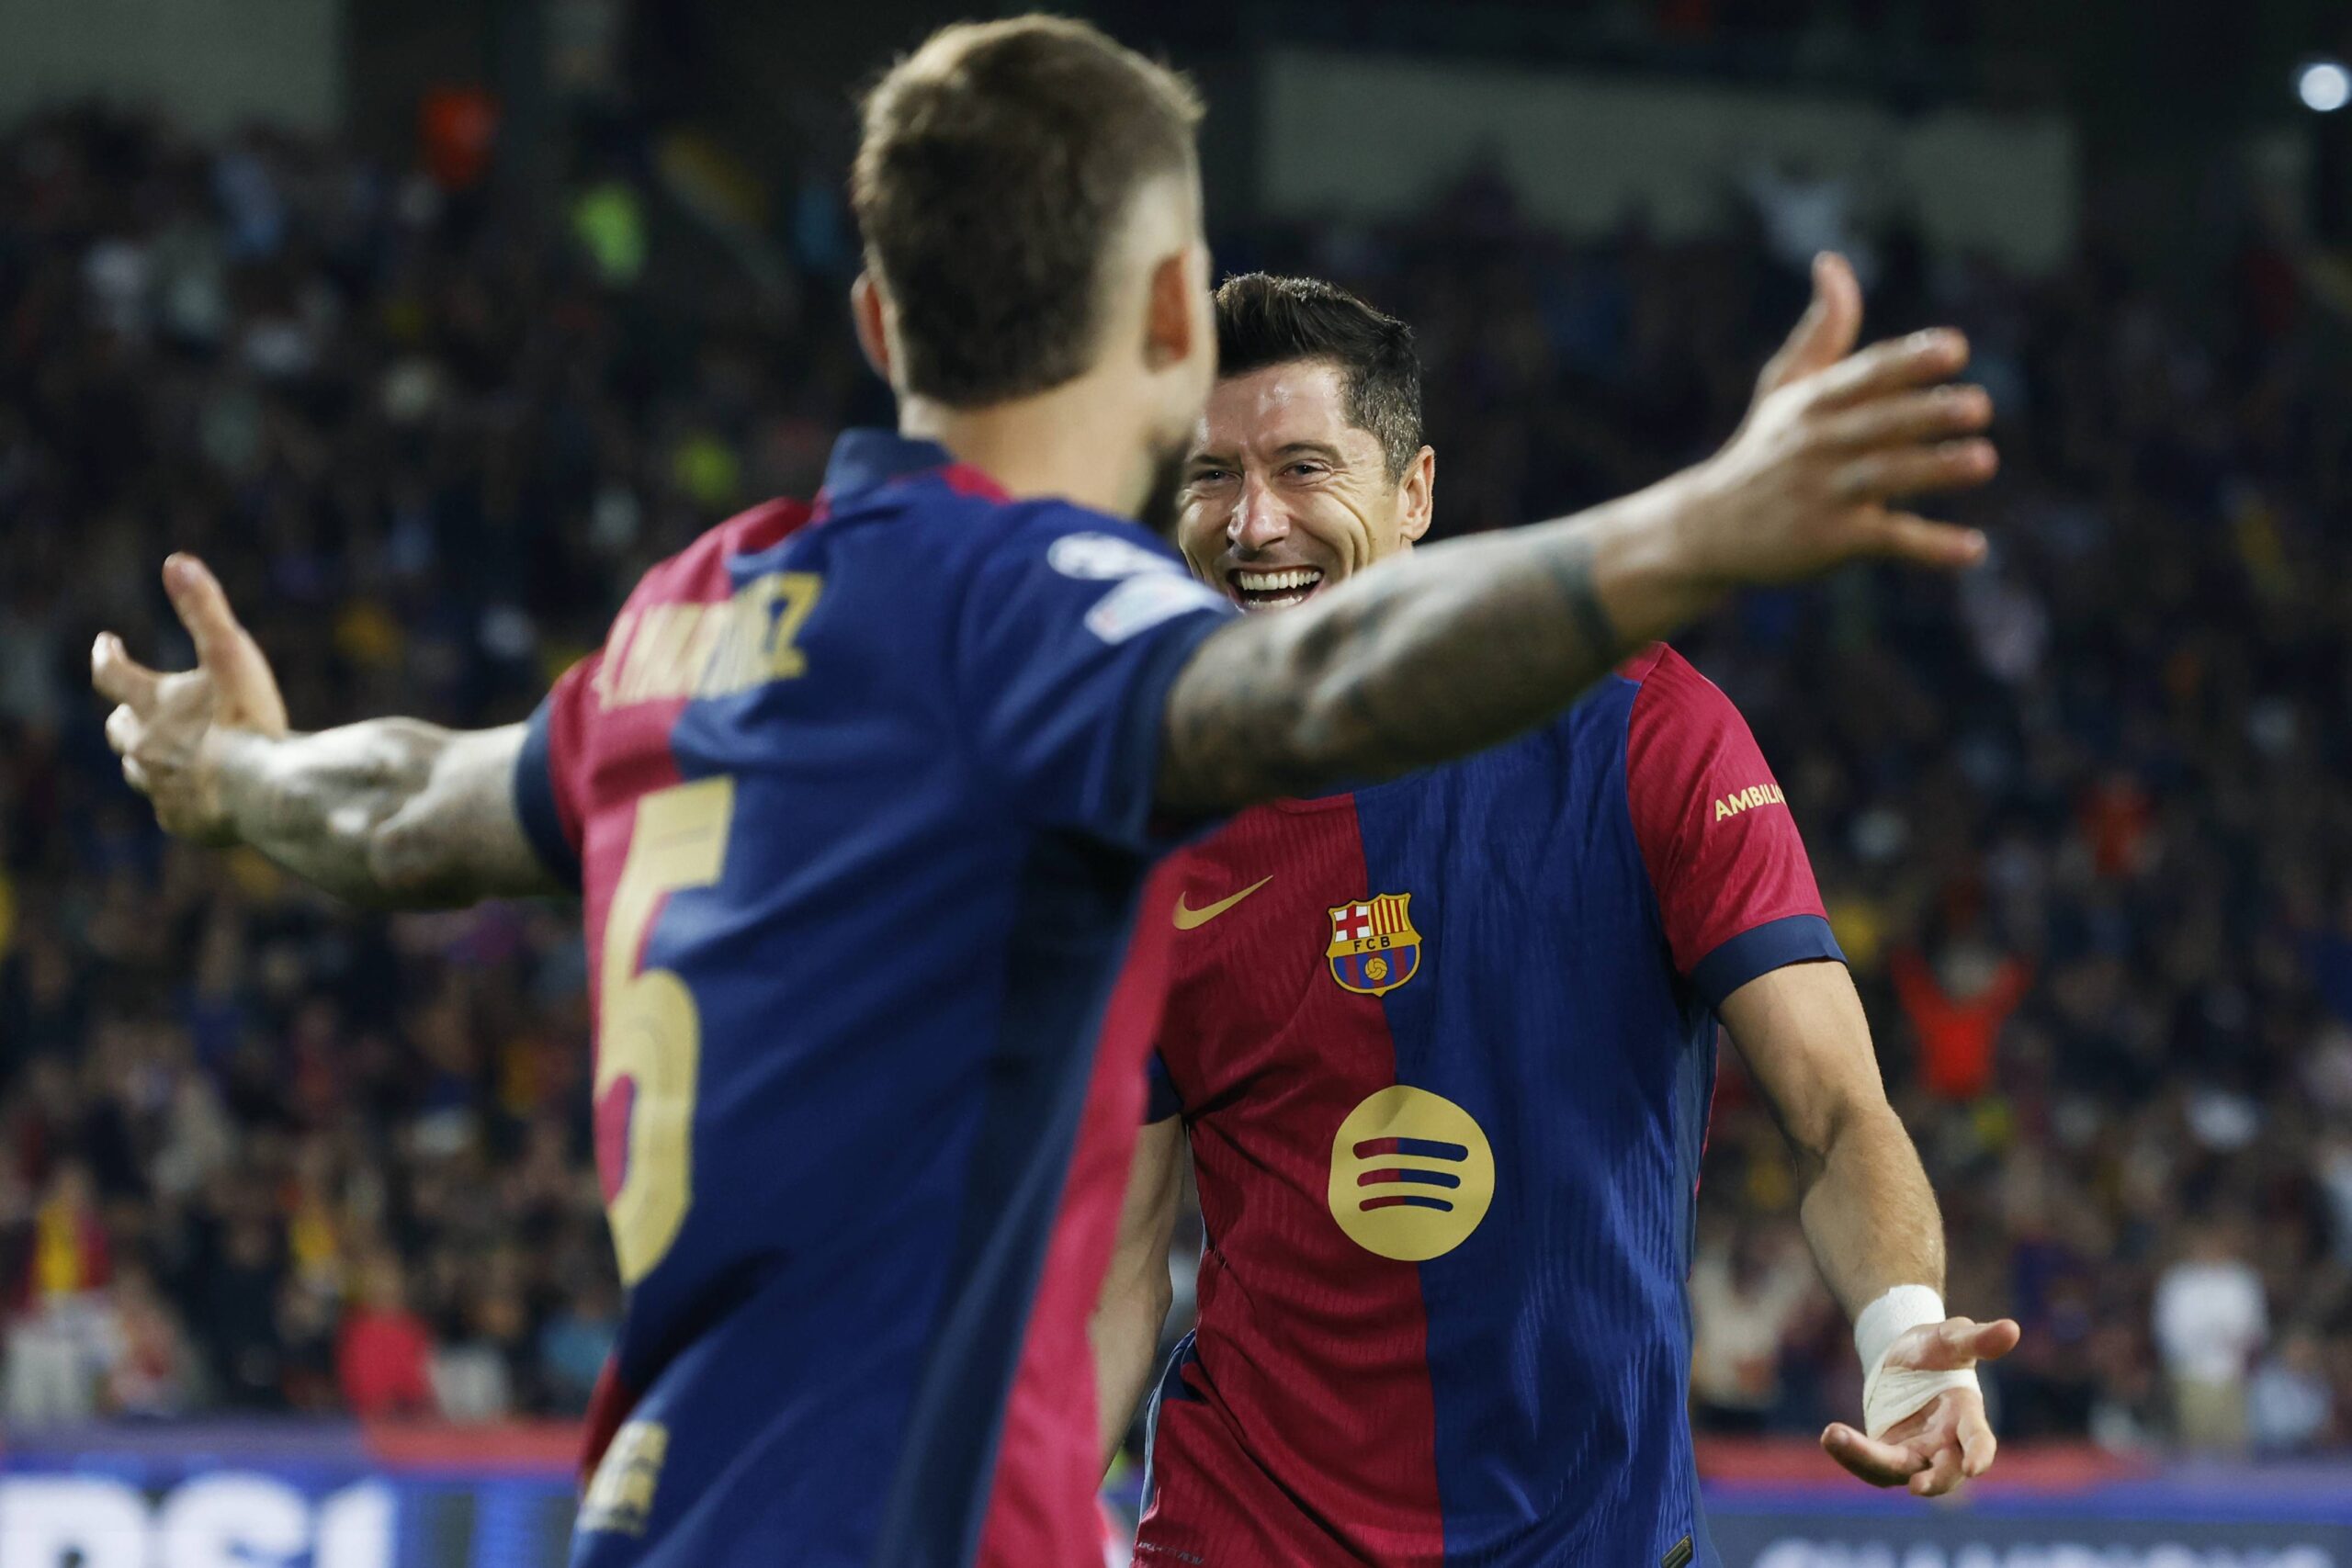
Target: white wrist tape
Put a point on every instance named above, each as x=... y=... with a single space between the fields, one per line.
x=1890 y=1394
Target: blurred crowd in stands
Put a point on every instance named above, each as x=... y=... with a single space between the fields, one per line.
x=2082 y=820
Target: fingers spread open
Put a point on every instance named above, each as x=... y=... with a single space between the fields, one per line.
x=1919 y=541
x=1896 y=472
x=203 y=609
x=1897 y=365
x=118 y=676
x=224 y=648
x=1938 y=413
x=1826 y=332
x=123 y=729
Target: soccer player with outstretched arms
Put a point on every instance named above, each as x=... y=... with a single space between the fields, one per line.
x=1442 y=1050
x=861 y=793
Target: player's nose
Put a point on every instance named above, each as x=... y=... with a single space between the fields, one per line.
x=1259 y=520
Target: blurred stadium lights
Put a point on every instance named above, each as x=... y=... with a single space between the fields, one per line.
x=2324 y=86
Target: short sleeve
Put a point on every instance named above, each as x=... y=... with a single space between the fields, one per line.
x=1075 y=626
x=1734 y=886
x=1160 y=1098
x=548 y=771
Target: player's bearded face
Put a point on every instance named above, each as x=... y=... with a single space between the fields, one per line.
x=1283 y=496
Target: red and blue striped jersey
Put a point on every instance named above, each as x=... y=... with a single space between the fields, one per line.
x=859 y=798
x=1444 y=1048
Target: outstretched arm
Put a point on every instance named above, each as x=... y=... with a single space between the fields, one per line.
x=1871 y=1219
x=392 y=813
x=1465 y=644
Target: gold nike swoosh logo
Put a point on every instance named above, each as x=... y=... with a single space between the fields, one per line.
x=1190 y=919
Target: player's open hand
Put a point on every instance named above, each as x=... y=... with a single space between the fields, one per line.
x=1835 y=443
x=1947 y=1439
x=163 y=725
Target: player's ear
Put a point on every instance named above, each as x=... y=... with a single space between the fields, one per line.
x=865 y=308
x=1416 y=500
x=1171 y=331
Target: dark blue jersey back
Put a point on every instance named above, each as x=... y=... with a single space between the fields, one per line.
x=859 y=803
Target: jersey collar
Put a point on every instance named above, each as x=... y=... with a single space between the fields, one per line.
x=866 y=459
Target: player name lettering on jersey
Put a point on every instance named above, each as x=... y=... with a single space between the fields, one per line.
x=664 y=778
x=663 y=652
x=1748 y=799
x=620 y=1494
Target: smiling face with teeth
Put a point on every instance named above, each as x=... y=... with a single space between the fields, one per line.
x=1283 y=495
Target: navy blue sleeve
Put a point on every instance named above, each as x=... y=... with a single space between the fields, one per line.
x=1160 y=1098
x=1075 y=627
x=1759 y=950
x=539 y=804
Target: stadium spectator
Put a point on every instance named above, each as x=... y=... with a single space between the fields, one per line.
x=240 y=1311
x=1749 y=1287
x=307 y=1320
x=384 y=1355
x=70 y=1261
x=480 y=1375
x=2290 y=1404
x=573 y=1345
x=56 y=1345
x=1957 y=1017
x=2211 y=1322
x=149 y=1370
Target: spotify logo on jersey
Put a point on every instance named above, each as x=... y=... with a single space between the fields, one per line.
x=1411 y=1175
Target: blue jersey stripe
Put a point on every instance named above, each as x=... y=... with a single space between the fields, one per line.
x=1548 y=1009
x=1073 y=895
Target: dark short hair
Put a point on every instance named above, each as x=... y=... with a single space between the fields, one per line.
x=997 y=165
x=1262 y=321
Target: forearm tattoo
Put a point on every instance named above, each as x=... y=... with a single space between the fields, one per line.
x=392 y=813
x=1414 y=663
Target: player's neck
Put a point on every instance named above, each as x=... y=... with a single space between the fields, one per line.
x=1069 y=443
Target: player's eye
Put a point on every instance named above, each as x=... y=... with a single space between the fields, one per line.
x=1211 y=477
x=1304 y=470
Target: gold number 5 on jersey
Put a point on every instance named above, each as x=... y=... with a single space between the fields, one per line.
x=652 y=1035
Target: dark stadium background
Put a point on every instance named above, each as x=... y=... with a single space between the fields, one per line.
x=430 y=323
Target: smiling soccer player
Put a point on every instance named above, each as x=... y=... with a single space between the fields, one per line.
x=1442 y=1049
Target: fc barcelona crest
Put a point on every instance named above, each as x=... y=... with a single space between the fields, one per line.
x=1375 y=948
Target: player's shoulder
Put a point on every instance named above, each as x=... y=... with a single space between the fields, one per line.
x=1079 y=542
x=702 y=570
x=1113 y=576
x=1682 y=734
x=972 y=527
x=1658 y=714
x=1670 y=692
x=1659 y=663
